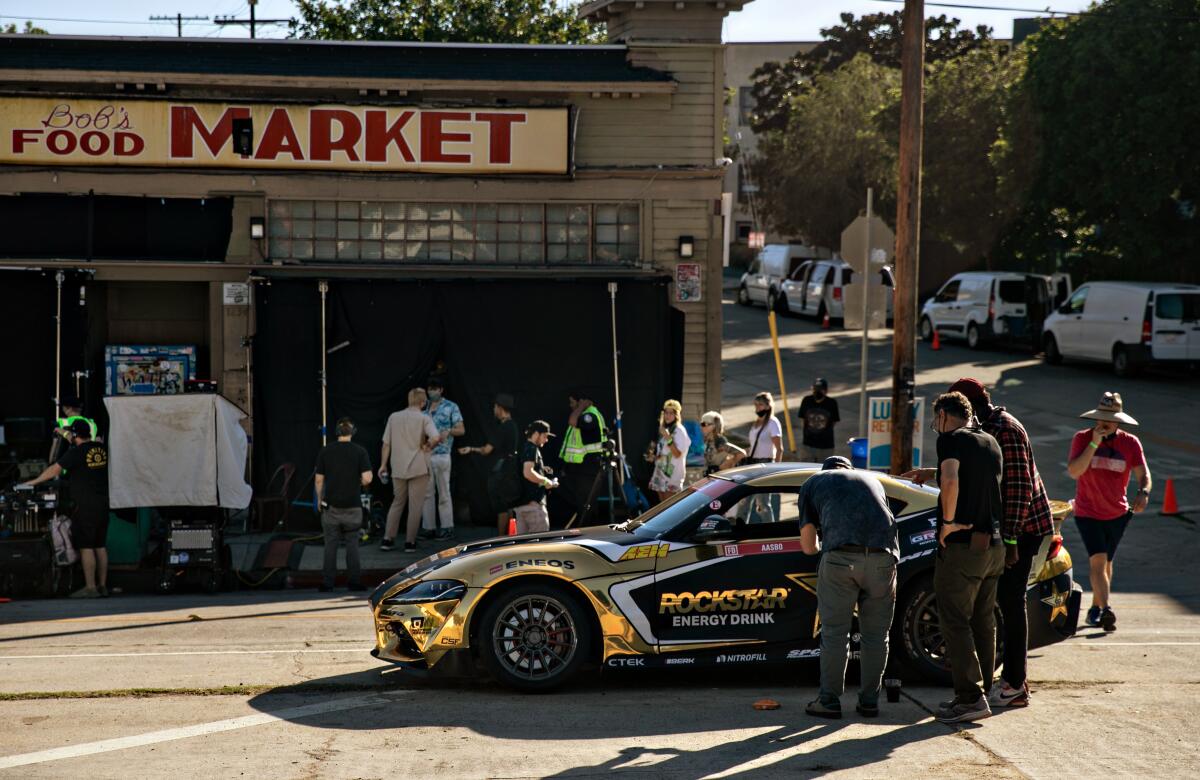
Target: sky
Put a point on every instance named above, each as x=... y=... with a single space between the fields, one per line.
x=761 y=20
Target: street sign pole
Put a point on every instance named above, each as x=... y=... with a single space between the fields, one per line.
x=865 y=280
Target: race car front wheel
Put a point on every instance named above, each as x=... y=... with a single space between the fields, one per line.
x=917 y=644
x=534 y=637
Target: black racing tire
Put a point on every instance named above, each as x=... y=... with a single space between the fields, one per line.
x=926 y=329
x=1050 y=349
x=743 y=296
x=1122 y=363
x=917 y=645
x=974 y=337
x=535 y=637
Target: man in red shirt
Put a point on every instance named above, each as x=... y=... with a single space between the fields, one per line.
x=1101 y=459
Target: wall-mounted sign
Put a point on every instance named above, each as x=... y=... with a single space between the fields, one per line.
x=687 y=283
x=39 y=131
x=879 y=435
x=236 y=293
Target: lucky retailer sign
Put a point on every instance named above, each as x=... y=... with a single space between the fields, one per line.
x=879 y=433
x=53 y=131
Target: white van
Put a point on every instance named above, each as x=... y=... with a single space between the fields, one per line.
x=764 y=279
x=815 y=288
x=992 y=305
x=1130 y=324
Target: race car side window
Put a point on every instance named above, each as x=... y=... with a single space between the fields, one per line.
x=766 y=514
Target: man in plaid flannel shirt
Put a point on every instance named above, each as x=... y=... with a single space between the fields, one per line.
x=1027 y=521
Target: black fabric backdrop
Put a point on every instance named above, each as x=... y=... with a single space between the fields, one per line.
x=532 y=339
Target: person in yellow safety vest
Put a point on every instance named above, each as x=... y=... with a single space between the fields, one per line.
x=72 y=410
x=581 y=453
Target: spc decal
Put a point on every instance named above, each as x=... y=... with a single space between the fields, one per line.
x=811 y=652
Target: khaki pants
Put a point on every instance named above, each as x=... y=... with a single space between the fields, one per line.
x=439 y=483
x=846 y=580
x=410 y=492
x=964 y=581
x=532 y=517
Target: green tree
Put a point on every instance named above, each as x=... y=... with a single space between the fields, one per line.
x=1116 y=188
x=29 y=29
x=813 y=178
x=876 y=35
x=443 y=21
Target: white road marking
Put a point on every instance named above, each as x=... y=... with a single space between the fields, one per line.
x=1131 y=644
x=200 y=729
x=184 y=652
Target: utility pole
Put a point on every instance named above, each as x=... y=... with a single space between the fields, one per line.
x=908 y=234
x=252 y=21
x=179 y=20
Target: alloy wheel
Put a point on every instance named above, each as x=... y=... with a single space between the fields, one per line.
x=535 y=637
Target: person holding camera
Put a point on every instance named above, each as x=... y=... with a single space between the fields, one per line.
x=531 y=513
x=343 y=470
x=859 y=549
x=669 y=452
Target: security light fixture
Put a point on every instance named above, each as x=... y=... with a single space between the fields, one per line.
x=687 y=246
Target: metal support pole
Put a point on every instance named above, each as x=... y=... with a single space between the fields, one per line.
x=612 y=294
x=908 y=235
x=866 y=334
x=787 y=418
x=323 y=287
x=58 y=280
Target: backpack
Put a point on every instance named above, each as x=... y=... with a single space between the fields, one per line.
x=60 y=534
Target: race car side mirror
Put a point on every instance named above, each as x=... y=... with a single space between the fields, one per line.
x=712 y=528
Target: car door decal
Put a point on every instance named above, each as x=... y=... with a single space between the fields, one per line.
x=622 y=552
x=621 y=596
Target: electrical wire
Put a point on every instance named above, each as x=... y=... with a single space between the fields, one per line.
x=970 y=7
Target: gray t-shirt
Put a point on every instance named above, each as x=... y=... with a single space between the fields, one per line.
x=849 y=507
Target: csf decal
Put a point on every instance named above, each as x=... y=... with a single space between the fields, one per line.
x=646 y=551
x=552 y=563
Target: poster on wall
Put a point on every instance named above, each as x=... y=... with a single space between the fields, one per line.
x=687 y=283
x=147 y=369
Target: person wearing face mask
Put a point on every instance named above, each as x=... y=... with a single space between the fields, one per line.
x=818 y=414
x=449 y=421
x=1101 y=459
x=970 y=557
x=669 y=452
x=766 y=446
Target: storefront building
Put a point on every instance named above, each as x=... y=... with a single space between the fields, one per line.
x=373 y=211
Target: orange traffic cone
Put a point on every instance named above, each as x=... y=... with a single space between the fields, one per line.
x=825 y=323
x=937 y=342
x=512 y=526
x=1170 y=505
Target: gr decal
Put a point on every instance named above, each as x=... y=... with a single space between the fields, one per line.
x=646 y=551
x=723 y=600
x=925 y=537
x=552 y=563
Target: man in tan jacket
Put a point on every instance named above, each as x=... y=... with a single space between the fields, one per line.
x=408 y=439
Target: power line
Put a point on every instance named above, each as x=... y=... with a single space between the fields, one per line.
x=994 y=8
x=179 y=20
x=252 y=21
x=89 y=21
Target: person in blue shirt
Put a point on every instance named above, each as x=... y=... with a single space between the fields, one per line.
x=448 y=419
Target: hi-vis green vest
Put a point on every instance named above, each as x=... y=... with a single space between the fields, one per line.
x=573 y=448
x=66 y=422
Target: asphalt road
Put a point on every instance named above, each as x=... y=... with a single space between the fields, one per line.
x=280 y=684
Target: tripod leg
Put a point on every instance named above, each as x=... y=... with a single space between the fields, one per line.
x=591 y=499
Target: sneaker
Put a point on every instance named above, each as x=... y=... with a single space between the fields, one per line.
x=86 y=593
x=445 y=533
x=1108 y=619
x=427 y=533
x=410 y=547
x=1003 y=695
x=867 y=710
x=820 y=709
x=965 y=713
x=1093 y=616
x=387 y=544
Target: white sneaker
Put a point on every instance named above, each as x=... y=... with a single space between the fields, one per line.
x=1003 y=695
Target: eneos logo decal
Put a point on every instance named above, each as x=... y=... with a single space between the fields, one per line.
x=543 y=562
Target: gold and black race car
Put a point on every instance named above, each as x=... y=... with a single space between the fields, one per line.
x=684 y=584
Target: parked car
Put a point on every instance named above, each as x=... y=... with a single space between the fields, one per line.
x=765 y=277
x=984 y=306
x=1130 y=324
x=815 y=288
x=682 y=585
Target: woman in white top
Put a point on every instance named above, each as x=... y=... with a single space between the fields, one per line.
x=766 y=446
x=670 y=452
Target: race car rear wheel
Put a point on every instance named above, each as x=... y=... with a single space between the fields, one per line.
x=917 y=643
x=534 y=637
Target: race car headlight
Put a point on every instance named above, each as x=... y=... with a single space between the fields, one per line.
x=426 y=591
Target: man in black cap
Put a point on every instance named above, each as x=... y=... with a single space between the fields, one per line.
x=531 y=511
x=85 y=466
x=343 y=470
x=848 y=509
x=818 y=414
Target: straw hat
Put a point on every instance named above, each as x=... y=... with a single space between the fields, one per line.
x=1109 y=410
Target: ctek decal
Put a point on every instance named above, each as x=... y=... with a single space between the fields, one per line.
x=723 y=600
x=741 y=658
x=626 y=661
x=544 y=562
x=812 y=652
x=646 y=551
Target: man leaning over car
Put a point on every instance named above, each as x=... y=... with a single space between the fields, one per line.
x=849 y=510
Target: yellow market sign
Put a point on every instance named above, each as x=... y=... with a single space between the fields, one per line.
x=38 y=131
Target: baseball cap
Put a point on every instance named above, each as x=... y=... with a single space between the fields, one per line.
x=821 y=382
x=836 y=462
x=538 y=426
x=973 y=389
x=506 y=400
x=81 y=428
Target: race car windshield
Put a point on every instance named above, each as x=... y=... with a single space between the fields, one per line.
x=664 y=517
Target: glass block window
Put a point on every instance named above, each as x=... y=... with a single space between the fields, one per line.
x=450 y=233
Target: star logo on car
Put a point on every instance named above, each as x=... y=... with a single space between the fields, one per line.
x=808 y=581
x=1057 y=601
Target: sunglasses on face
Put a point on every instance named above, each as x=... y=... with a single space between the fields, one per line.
x=705 y=425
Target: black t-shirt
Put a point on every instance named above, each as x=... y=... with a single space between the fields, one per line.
x=342 y=464
x=818 y=418
x=529 y=490
x=86 y=467
x=980 y=467
x=507 y=438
